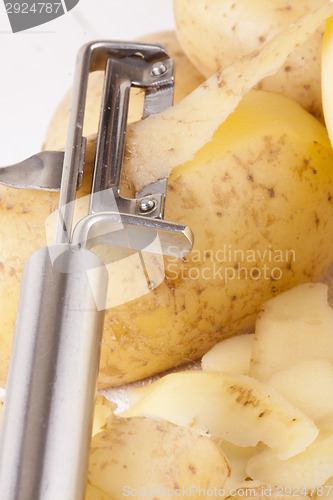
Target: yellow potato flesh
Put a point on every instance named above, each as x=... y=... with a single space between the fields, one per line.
x=263 y=184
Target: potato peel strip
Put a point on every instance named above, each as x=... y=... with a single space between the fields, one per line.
x=158 y=144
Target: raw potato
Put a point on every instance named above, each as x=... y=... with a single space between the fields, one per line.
x=236 y=408
x=187 y=314
x=308 y=385
x=175 y=138
x=296 y=326
x=146 y=454
x=187 y=78
x=262 y=187
x=232 y=355
x=214 y=34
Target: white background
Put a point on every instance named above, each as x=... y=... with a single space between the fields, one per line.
x=37 y=64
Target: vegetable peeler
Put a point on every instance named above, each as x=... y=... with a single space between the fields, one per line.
x=51 y=387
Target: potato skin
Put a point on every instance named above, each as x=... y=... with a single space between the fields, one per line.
x=264 y=182
x=150 y=453
x=215 y=33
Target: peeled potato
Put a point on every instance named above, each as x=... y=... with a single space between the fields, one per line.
x=187 y=78
x=214 y=34
x=152 y=456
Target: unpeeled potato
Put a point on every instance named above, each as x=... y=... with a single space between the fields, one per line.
x=215 y=33
x=250 y=189
x=263 y=184
x=187 y=78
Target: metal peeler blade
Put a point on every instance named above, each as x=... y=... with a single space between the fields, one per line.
x=40 y=171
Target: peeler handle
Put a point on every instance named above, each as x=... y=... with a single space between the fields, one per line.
x=47 y=420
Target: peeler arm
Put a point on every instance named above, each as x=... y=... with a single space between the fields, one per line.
x=46 y=428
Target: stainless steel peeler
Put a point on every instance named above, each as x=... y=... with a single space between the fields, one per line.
x=47 y=420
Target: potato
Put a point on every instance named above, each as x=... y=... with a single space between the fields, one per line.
x=235 y=408
x=296 y=326
x=187 y=78
x=246 y=202
x=214 y=34
x=171 y=135
x=152 y=456
x=232 y=355
x=258 y=198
